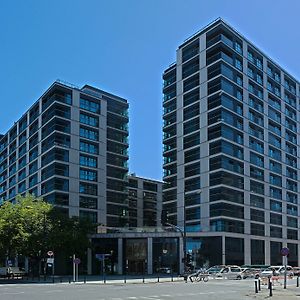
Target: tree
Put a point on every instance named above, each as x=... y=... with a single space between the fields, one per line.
x=69 y=235
x=31 y=227
x=22 y=226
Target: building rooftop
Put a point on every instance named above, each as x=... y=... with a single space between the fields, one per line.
x=234 y=31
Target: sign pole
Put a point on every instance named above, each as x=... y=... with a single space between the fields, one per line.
x=285 y=253
x=76 y=272
x=74 y=269
x=285 y=264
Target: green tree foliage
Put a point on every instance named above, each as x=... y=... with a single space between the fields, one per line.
x=31 y=227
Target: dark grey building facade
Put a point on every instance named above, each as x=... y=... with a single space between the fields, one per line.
x=231 y=150
x=70 y=148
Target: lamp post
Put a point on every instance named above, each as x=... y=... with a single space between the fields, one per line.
x=44 y=242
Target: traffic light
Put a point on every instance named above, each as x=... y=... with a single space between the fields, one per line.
x=188 y=258
x=164 y=217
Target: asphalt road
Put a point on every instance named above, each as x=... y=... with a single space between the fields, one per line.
x=213 y=289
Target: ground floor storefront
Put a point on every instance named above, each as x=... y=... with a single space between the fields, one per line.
x=149 y=253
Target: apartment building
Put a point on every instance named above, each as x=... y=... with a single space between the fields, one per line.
x=70 y=148
x=231 y=150
x=145 y=201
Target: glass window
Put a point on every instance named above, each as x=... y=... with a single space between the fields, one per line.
x=256 y=159
x=88 y=133
x=225 y=147
x=256 y=145
x=224 y=193
x=88 y=188
x=275 y=231
x=275 y=193
x=222 y=177
x=275 y=206
x=88 y=202
x=88 y=161
x=257 y=187
x=89 y=120
x=257 y=229
x=275 y=179
x=256 y=173
x=90 y=105
x=257 y=201
x=89 y=147
x=86 y=174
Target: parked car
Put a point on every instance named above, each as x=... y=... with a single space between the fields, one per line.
x=164 y=270
x=16 y=272
x=277 y=271
x=230 y=272
x=11 y=272
x=250 y=273
x=296 y=271
x=215 y=269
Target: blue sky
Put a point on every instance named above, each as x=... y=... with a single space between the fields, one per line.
x=123 y=47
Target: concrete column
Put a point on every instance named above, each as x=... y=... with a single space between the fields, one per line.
x=89 y=261
x=150 y=256
x=16 y=261
x=181 y=264
x=223 y=250
x=27 y=264
x=267 y=253
x=247 y=251
x=298 y=253
x=120 y=256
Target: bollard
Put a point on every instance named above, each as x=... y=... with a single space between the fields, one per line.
x=84 y=279
x=69 y=279
x=125 y=278
x=60 y=280
x=255 y=284
x=185 y=277
x=157 y=277
x=259 y=284
x=53 y=279
x=297 y=281
x=270 y=287
x=172 y=279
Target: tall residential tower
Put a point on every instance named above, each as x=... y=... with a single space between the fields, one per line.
x=231 y=146
x=70 y=148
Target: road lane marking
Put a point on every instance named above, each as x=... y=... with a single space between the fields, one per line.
x=13 y=293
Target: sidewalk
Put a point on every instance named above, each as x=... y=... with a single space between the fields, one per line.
x=279 y=293
x=93 y=279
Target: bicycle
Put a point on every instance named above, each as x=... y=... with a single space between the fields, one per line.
x=199 y=277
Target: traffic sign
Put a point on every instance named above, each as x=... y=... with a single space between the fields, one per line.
x=77 y=261
x=285 y=251
x=50 y=253
x=50 y=261
x=100 y=256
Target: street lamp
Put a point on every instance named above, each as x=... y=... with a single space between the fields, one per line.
x=164 y=219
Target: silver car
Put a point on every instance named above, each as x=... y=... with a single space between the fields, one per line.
x=230 y=272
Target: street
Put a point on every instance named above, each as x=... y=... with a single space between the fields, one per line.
x=213 y=289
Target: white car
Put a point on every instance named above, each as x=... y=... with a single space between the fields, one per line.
x=277 y=270
x=230 y=272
